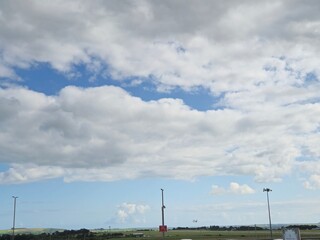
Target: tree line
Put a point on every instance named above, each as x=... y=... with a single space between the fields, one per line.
x=243 y=228
x=221 y=228
x=82 y=234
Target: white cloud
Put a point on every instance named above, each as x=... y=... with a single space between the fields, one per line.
x=179 y=44
x=234 y=188
x=29 y=173
x=240 y=189
x=260 y=67
x=132 y=212
x=106 y=134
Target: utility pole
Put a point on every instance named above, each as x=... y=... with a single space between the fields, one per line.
x=269 y=190
x=14 y=215
x=163 y=227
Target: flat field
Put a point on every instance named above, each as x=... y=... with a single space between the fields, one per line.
x=120 y=234
x=219 y=235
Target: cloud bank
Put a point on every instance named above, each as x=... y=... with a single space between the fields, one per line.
x=259 y=58
x=106 y=134
x=221 y=46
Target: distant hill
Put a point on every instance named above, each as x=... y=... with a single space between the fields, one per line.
x=31 y=230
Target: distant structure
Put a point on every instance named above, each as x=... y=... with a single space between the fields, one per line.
x=138 y=234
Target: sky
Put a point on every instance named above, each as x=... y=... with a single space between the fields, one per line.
x=103 y=103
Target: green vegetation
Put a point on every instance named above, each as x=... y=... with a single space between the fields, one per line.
x=202 y=233
x=31 y=231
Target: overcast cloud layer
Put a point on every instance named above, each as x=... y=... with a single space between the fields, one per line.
x=261 y=58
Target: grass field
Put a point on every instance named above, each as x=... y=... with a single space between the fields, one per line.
x=209 y=235
x=172 y=234
x=219 y=235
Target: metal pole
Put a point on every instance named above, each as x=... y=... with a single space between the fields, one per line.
x=14 y=215
x=255 y=231
x=269 y=190
x=162 y=211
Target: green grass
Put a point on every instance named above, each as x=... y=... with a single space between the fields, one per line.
x=177 y=234
x=218 y=235
x=209 y=235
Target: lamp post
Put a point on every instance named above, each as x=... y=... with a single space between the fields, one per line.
x=162 y=212
x=269 y=190
x=14 y=215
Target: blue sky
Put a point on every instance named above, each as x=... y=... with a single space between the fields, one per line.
x=102 y=104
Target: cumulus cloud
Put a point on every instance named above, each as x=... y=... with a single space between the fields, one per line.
x=234 y=188
x=184 y=44
x=264 y=69
x=240 y=189
x=132 y=212
x=106 y=134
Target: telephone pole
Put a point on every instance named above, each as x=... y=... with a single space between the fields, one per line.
x=14 y=215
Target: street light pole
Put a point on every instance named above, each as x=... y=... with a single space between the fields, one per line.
x=14 y=215
x=269 y=190
x=162 y=211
